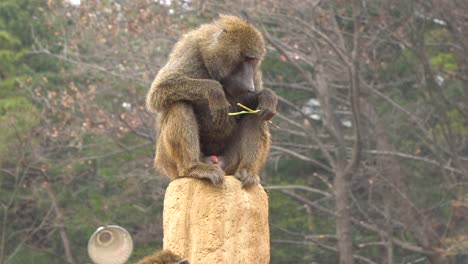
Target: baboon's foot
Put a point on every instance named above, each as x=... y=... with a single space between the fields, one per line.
x=247 y=177
x=212 y=172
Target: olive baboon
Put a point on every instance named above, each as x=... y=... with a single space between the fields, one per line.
x=163 y=257
x=209 y=71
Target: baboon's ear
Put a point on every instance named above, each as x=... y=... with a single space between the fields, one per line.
x=220 y=33
x=184 y=261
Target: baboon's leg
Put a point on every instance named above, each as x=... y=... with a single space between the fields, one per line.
x=179 y=153
x=247 y=152
x=163 y=162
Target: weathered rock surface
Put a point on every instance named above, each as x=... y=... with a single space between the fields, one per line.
x=208 y=225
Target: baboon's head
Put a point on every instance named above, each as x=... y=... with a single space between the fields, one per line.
x=234 y=53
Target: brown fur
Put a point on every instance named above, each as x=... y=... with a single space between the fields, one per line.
x=163 y=257
x=194 y=92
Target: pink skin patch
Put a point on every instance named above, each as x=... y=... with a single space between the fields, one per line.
x=214 y=159
x=217 y=160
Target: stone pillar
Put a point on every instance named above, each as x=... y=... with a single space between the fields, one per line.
x=207 y=224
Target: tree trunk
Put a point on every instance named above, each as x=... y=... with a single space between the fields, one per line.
x=207 y=224
x=343 y=224
x=60 y=222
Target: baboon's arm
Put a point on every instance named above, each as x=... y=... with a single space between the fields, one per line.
x=164 y=93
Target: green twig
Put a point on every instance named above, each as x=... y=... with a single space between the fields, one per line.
x=249 y=111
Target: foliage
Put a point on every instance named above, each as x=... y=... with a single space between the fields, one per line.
x=444 y=60
x=76 y=144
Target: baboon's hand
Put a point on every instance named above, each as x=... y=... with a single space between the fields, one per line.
x=267 y=102
x=219 y=106
x=247 y=178
x=219 y=117
x=266 y=114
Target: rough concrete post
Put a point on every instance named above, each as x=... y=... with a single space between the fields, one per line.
x=207 y=224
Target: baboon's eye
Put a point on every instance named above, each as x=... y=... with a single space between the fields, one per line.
x=250 y=59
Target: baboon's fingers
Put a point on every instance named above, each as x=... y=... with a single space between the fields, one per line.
x=217 y=180
x=219 y=117
x=266 y=114
x=250 y=182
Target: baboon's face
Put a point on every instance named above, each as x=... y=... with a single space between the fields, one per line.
x=241 y=79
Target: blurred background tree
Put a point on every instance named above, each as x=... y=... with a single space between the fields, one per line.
x=369 y=165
